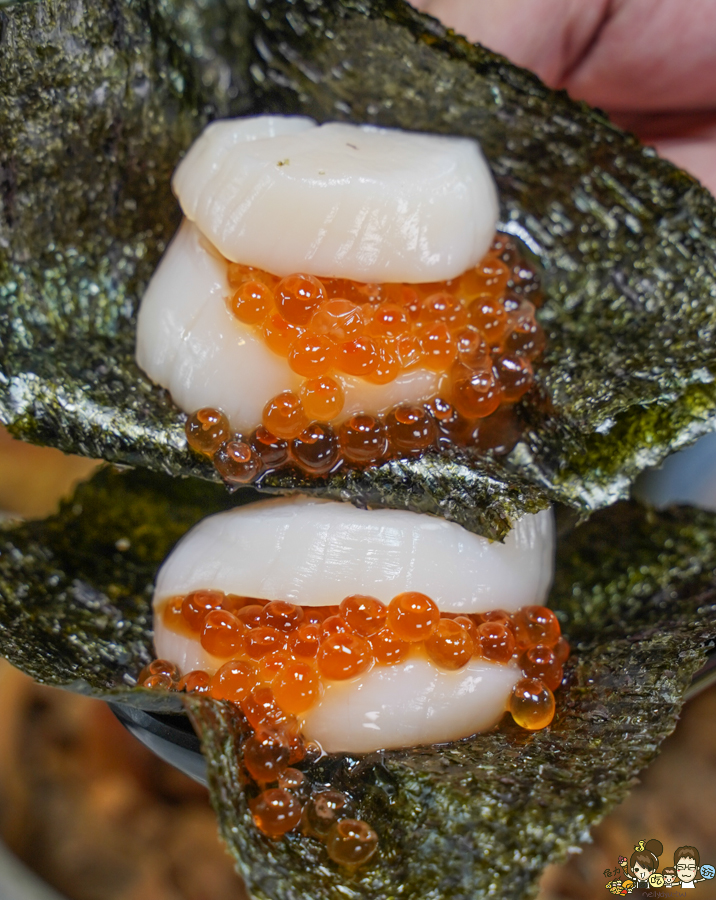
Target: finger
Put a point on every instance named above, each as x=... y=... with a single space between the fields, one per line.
x=649 y=55
x=547 y=36
x=616 y=54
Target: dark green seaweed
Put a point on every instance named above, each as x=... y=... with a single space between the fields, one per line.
x=635 y=591
x=100 y=99
x=76 y=588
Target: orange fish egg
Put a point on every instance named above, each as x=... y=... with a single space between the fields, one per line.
x=344 y=655
x=351 y=843
x=223 y=634
x=206 y=430
x=233 y=681
x=322 y=398
x=298 y=297
x=412 y=616
x=285 y=416
x=532 y=704
x=365 y=615
x=450 y=646
x=275 y=812
x=251 y=303
x=297 y=687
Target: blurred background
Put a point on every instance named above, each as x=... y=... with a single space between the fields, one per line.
x=87 y=813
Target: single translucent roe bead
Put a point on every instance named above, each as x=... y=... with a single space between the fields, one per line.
x=411 y=429
x=223 y=633
x=237 y=462
x=275 y=812
x=334 y=625
x=282 y=615
x=388 y=649
x=364 y=614
x=250 y=614
x=251 y=303
x=535 y=625
x=280 y=334
x=388 y=366
x=273 y=451
x=285 y=416
x=298 y=297
x=438 y=346
x=344 y=655
x=515 y=374
x=305 y=641
x=497 y=642
x=475 y=392
x=292 y=780
x=338 y=319
x=450 y=646
x=315 y=449
x=324 y=809
x=541 y=662
x=195 y=682
x=471 y=627
x=351 y=843
x=357 y=357
x=197 y=604
x=311 y=354
x=262 y=640
x=160 y=681
x=322 y=398
x=389 y=320
x=412 y=616
x=363 y=439
x=265 y=756
x=206 y=430
x=297 y=687
x=532 y=704
x=233 y=681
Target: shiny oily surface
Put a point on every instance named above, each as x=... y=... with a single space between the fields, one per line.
x=297 y=665
x=436 y=192
x=311 y=552
x=191 y=341
x=476 y=334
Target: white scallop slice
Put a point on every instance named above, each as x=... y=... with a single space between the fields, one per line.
x=409 y=704
x=316 y=552
x=349 y=201
x=189 y=343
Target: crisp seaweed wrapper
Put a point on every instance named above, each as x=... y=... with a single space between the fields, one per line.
x=635 y=593
x=99 y=101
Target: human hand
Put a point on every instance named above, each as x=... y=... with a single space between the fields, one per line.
x=649 y=63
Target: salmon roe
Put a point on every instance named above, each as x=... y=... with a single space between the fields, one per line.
x=477 y=333
x=282 y=654
x=412 y=616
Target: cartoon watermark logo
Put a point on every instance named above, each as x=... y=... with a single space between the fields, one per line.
x=641 y=870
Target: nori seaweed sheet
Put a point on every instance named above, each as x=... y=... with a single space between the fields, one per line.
x=100 y=99
x=635 y=591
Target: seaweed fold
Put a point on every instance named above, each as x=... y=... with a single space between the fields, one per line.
x=100 y=100
x=635 y=591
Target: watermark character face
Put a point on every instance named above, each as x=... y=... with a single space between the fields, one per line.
x=686 y=869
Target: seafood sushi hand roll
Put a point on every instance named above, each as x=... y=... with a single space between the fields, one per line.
x=335 y=296
x=355 y=630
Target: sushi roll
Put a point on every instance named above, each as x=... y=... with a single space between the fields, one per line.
x=378 y=629
x=336 y=295
x=343 y=630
